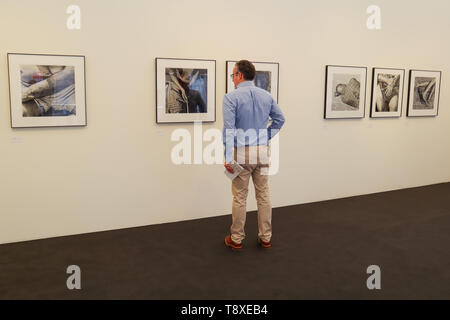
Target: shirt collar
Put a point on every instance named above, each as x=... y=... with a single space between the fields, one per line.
x=246 y=83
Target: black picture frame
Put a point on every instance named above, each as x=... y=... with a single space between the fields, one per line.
x=408 y=107
x=326 y=96
x=10 y=87
x=400 y=102
x=213 y=99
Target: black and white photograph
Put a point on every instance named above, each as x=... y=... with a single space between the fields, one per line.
x=266 y=77
x=185 y=90
x=47 y=94
x=345 y=92
x=423 y=95
x=387 y=92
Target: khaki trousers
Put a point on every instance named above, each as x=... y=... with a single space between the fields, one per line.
x=255 y=161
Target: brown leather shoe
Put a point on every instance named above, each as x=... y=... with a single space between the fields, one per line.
x=233 y=245
x=265 y=245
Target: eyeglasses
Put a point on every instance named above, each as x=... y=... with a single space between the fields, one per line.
x=234 y=74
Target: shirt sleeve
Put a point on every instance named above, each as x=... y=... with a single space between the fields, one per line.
x=277 y=120
x=229 y=127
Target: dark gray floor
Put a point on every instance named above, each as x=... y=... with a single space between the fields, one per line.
x=320 y=251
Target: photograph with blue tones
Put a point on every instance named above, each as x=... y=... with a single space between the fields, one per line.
x=48 y=90
x=186 y=90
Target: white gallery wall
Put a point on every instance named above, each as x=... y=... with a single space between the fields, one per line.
x=117 y=171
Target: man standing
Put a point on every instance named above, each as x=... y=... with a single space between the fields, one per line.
x=246 y=113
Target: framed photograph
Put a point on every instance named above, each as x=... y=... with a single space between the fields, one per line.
x=47 y=90
x=345 y=92
x=423 y=93
x=387 y=92
x=185 y=90
x=266 y=77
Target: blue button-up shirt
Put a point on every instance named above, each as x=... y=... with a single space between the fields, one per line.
x=246 y=113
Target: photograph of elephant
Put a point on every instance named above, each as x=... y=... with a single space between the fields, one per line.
x=48 y=91
x=186 y=90
x=423 y=96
